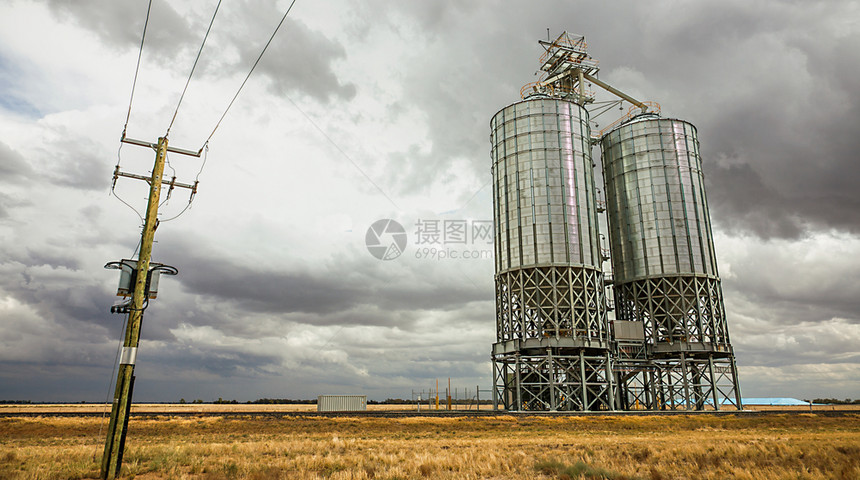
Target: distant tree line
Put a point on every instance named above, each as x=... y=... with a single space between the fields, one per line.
x=390 y=401
x=293 y=401
x=442 y=400
x=835 y=401
x=262 y=401
x=274 y=401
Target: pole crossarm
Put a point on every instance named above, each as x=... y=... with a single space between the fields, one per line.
x=172 y=182
x=154 y=146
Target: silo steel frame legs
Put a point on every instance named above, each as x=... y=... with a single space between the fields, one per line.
x=691 y=364
x=636 y=387
x=555 y=382
x=678 y=308
x=635 y=377
x=692 y=383
x=552 y=351
x=678 y=382
x=550 y=301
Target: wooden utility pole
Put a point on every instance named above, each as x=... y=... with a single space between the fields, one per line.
x=115 y=442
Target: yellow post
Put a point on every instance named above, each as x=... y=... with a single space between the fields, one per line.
x=115 y=442
x=448 y=393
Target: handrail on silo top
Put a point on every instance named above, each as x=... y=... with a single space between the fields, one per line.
x=653 y=107
x=535 y=87
x=564 y=39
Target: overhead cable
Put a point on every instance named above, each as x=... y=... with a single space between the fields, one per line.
x=113 y=183
x=175 y=112
x=249 y=73
x=137 y=68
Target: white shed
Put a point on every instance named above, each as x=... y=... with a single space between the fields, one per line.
x=341 y=403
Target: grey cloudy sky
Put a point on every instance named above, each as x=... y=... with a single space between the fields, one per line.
x=377 y=109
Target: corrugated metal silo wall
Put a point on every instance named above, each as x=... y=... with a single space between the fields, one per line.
x=660 y=231
x=548 y=266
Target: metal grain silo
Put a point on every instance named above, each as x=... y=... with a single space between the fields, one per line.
x=552 y=349
x=544 y=185
x=664 y=266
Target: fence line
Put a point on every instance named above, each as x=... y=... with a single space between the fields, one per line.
x=455 y=399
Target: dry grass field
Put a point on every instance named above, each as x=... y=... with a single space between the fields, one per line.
x=772 y=446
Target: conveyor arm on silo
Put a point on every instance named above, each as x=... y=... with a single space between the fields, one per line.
x=600 y=83
x=617 y=92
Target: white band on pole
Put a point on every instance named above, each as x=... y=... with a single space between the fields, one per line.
x=129 y=355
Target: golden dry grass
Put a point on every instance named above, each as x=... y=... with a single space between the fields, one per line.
x=805 y=446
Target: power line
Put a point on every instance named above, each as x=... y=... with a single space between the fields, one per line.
x=110 y=383
x=113 y=184
x=192 y=68
x=343 y=153
x=137 y=68
x=182 y=96
x=128 y=115
x=249 y=73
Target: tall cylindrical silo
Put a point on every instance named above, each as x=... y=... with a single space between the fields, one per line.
x=552 y=335
x=664 y=266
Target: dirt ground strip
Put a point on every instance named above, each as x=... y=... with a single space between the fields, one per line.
x=210 y=408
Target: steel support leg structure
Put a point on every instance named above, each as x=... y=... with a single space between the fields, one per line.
x=635 y=392
x=562 y=381
x=690 y=362
x=697 y=383
x=552 y=350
